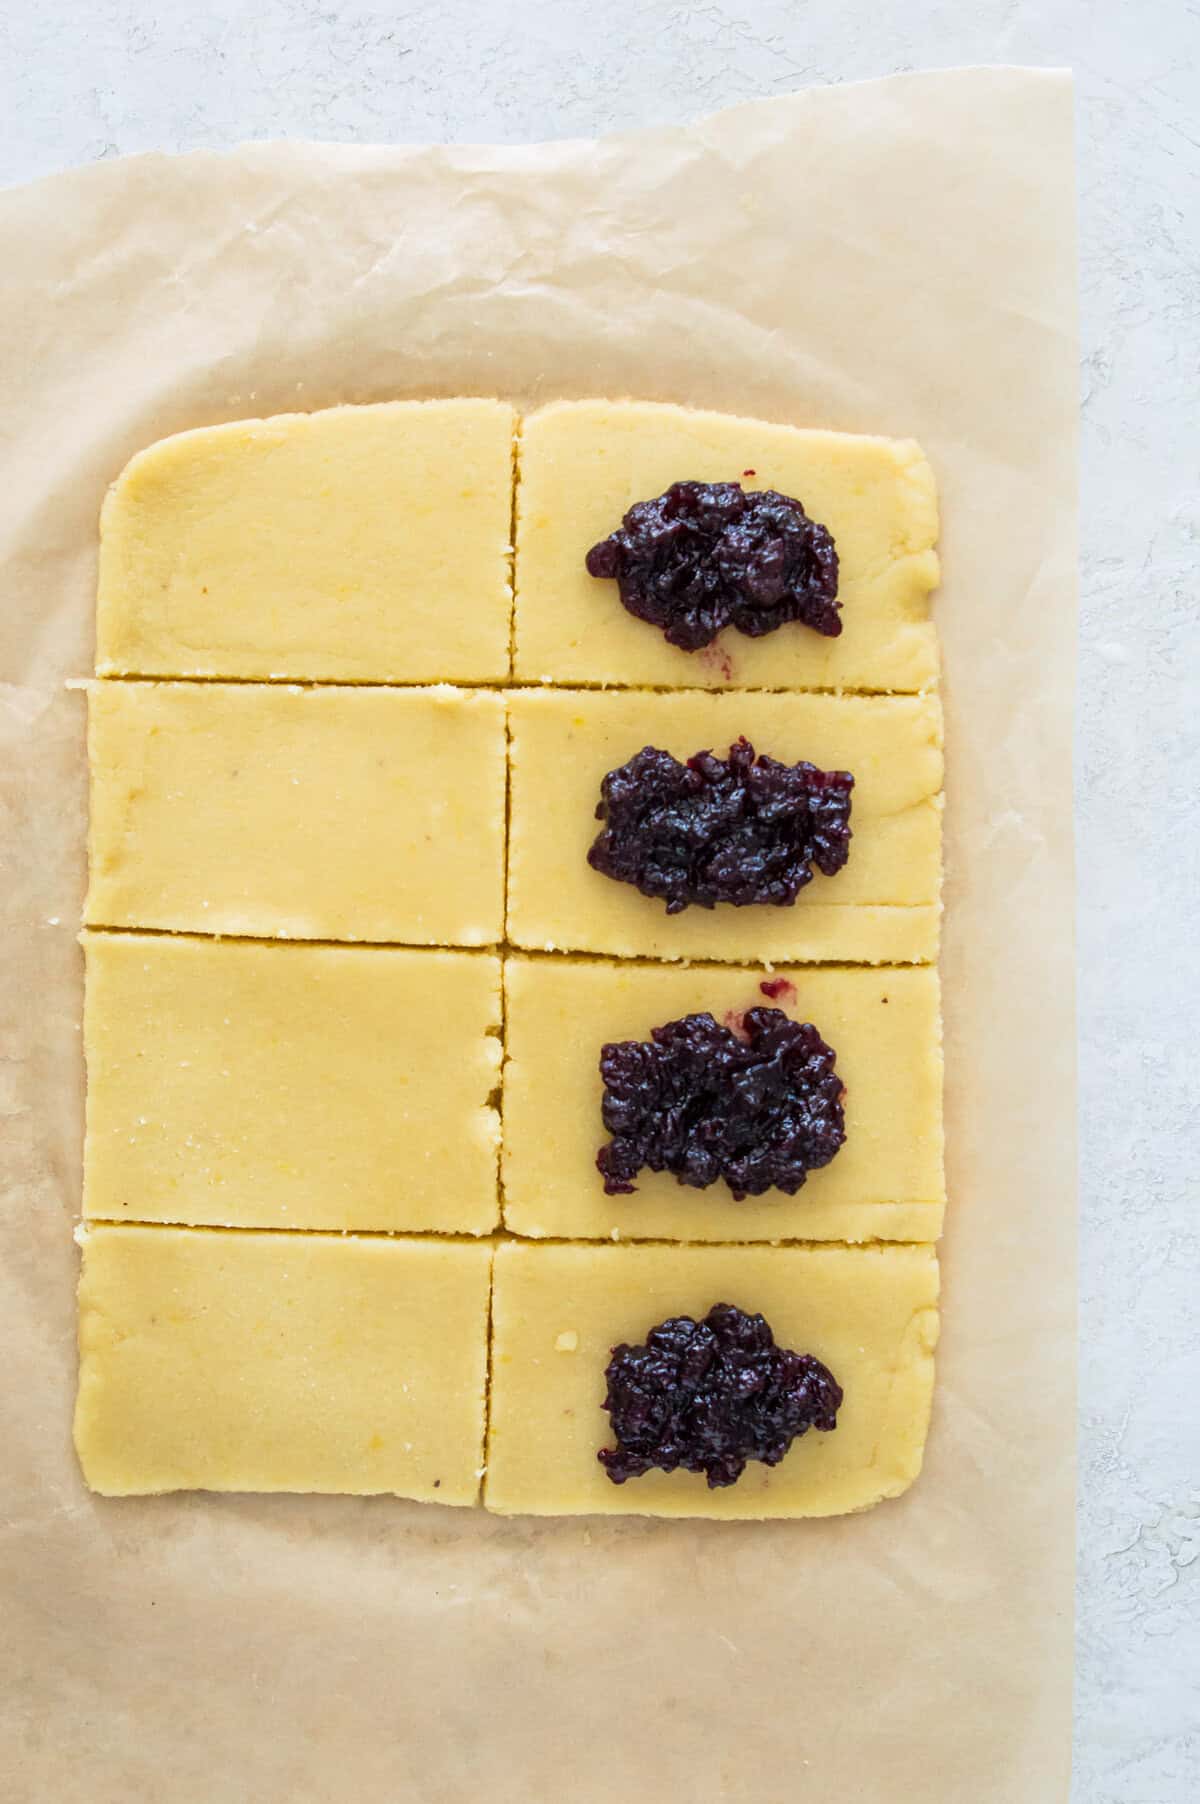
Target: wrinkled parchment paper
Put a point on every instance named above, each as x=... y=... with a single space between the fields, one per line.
x=894 y=257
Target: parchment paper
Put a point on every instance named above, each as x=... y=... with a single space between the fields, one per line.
x=894 y=257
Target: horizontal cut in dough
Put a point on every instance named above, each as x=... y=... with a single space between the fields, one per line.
x=886 y=1182
x=881 y=908
x=232 y=1361
x=361 y=544
x=278 y=812
x=870 y=1313
x=249 y=1085
x=584 y=463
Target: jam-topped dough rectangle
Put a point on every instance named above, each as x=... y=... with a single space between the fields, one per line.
x=360 y=544
x=330 y=813
x=254 y=1085
x=583 y=464
x=241 y=1361
x=885 y=1181
x=869 y=1314
x=881 y=908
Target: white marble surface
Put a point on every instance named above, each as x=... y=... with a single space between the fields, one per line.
x=81 y=79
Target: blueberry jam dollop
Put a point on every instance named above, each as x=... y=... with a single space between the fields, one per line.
x=709 y=1396
x=707 y=555
x=741 y=829
x=757 y=1112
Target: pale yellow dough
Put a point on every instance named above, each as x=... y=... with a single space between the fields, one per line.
x=238 y=1085
x=327 y=813
x=362 y=544
x=584 y=463
x=239 y=1361
x=870 y=1313
x=881 y=908
x=885 y=1183
x=271 y=1086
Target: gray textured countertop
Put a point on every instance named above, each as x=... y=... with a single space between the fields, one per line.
x=82 y=79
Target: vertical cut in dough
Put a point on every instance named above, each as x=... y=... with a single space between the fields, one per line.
x=278 y=812
x=361 y=544
x=886 y=1182
x=582 y=464
x=882 y=908
x=870 y=1313
x=251 y=1085
x=243 y=1361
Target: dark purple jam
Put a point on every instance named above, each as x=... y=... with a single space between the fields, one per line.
x=758 y=1112
x=708 y=1396
x=707 y=555
x=741 y=830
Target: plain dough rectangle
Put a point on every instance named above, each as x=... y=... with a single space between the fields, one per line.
x=882 y=908
x=582 y=464
x=241 y=1361
x=886 y=1182
x=355 y=544
x=328 y=813
x=258 y=1085
x=870 y=1313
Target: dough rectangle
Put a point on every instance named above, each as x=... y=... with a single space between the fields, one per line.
x=241 y=1361
x=870 y=1313
x=882 y=908
x=256 y=1085
x=358 y=544
x=886 y=1182
x=329 y=813
x=582 y=464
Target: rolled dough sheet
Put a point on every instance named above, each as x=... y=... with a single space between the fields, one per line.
x=870 y=1313
x=881 y=908
x=327 y=813
x=240 y=1084
x=886 y=1182
x=584 y=463
x=360 y=544
x=222 y=1361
